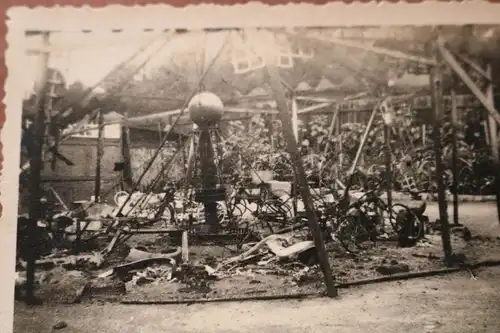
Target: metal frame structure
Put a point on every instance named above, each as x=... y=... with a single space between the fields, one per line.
x=439 y=57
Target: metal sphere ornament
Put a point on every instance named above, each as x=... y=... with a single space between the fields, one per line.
x=205 y=109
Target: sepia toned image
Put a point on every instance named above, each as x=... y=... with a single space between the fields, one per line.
x=353 y=168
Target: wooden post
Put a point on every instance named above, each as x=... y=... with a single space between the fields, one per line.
x=460 y=72
x=295 y=119
x=338 y=133
x=292 y=148
x=493 y=129
x=125 y=148
x=36 y=165
x=160 y=131
x=185 y=247
x=190 y=161
x=388 y=163
x=437 y=103
x=424 y=134
x=454 y=159
x=332 y=127
x=362 y=143
x=100 y=153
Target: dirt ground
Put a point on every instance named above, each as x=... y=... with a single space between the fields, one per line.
x=454 y=303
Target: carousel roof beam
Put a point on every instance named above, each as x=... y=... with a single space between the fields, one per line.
x=160 y=115
x=247 y=110
x=132 y=120
x=361 y=46
x=330 y=100
x=154 y=116
x=462 y=74
x=248 y=97
x=315 y=107
x=153 y=98
x=224 y=120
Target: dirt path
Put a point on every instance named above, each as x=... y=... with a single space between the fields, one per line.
x=480 y=217
x=453 y=304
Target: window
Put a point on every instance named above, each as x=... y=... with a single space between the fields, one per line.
x=285 y=62
x=241 y=66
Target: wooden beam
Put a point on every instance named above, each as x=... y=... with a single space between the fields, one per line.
x=493 y=129
x=331 y=129
x=127 y=180
x=474 y=66
x=36 y=165
x=295 y=119
x=388 y=159
x=331 y=100
x=455 y=66
x=493 y=126
x=303 y=186
x=368 y=128
x=100 y=153
x=454 y=158
x=313 y=108
x=436 y=81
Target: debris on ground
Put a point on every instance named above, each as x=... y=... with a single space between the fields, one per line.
x=122 y=255
x=393 y=268
x=60 y=325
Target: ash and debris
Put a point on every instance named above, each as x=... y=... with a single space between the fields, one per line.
x=161 y=266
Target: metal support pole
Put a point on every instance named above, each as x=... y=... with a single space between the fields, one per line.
x=424 y=134
x=454 y=159
x=36 y=165
x=437 y=102
x=388 y=163
x=125 y=150
x=493 y=129
x=190 y=162
x=100 y=153
x=208 y=171
x=292 y=148
x=331 y=128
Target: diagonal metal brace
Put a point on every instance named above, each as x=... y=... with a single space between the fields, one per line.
x=455 y=66
x=60 y=156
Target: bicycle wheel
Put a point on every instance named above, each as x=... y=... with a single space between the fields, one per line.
x=352 y=233
x=404 y=219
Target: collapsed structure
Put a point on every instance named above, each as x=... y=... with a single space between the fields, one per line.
x=235 y=198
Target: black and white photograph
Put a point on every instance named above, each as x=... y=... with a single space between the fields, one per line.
x=272 y=177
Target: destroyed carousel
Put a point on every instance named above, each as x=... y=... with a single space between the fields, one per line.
x=294 y=160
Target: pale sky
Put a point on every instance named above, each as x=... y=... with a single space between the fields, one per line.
x=88 y=57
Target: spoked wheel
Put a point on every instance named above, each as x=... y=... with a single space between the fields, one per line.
x=235 y=211
x=353 y=232
x=402 y=217
x=272 y=213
